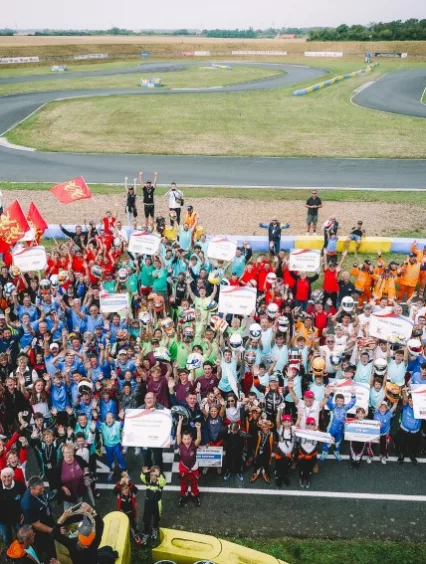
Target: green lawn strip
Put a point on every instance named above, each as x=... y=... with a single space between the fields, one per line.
x=191 y=77
x=308 y=551
x=265 y=194
x=6 y=72
x=261 y=123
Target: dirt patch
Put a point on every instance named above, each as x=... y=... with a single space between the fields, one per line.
x=231 y=215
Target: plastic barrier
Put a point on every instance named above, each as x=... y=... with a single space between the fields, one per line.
x=185 y=548
x=116 y=534
x=151 y=82
x=259 y=243
x=58 y=68
x=331 y=81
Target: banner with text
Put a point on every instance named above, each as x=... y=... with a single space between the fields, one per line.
x=362 y=430
x=237 y=300
x=323 y=54
x=210 y=457
x=16 y=60
x=418 y=394
x=144 y=243
x=260 y=53
x=389 y=325
x=114 y=303
x=91 y=56
x=313 y=435
x=221 y=248
x=30 y=259
x=305 y=260
x=146 y=428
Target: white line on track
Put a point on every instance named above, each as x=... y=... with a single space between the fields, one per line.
x=423 y=95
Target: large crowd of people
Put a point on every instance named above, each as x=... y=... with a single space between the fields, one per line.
x=69 y=371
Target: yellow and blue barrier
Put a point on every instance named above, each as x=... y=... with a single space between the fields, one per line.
x=333 y=80
x=151 y=82
x=183 y=547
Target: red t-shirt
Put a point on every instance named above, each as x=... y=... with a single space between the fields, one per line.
x=302 y=289
x=330 y=283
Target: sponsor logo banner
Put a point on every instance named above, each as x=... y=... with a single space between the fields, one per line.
x=144 y=243
x=391 y=55
x=305 y=260
x=145 y=428
x=210 y=457
x=323 y=54
x=362 y=431
x=221 y=248
x=14 y=60
x=114 y=303
x=260 y=53
x=237 y=300
x=91 y=56
x=389 y=325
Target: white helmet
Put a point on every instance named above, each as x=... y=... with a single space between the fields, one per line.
x=8 y=289
x=336 y=359
x=54 y=281
x=45 y=284
x=144 y=317
x=380 y=365
x=162 y=354
x=317 y=296
x=348 y=304
x=271 y=278
x=255 y=331
x=96 y=271
x=250 y=357
x=194 y=361
x=283 y=324
x=272 y=310
x=414 y=347
x=235 y=341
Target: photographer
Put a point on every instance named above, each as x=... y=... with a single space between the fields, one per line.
x=175 y=201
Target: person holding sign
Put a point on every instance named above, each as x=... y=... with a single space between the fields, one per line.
x=336 y=426
x=408 y=438
x=358 y=449
x=307 y=452
x=384 y=415
x=188 y=466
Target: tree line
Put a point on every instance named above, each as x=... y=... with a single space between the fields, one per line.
x=410 y=30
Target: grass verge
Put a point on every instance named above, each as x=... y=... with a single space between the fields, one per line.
x=191 y=77
x=306 y=551
x=6 y=72
x=269 y=123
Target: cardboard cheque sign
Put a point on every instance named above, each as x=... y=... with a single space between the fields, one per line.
x=144 y=243
x=30 y=259
x=388 y=325
x=146 y=428
x=305 y=260
x=237 y=300
x=221 y=248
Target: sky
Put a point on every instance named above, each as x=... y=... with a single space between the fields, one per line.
x=199 y=14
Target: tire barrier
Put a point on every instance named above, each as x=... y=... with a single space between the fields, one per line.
x=184 y=547
x=259 y=243
x=334 y=80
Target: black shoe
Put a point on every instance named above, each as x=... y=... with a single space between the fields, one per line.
x=182 y=501
x=197 y=500
x=154 y=534
x=278 y=482
x=286 y=481
x=414 y=460
x=400 y=459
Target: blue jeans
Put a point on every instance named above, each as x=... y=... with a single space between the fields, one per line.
x=115 y=452
x=6 y=533
x=274 y=246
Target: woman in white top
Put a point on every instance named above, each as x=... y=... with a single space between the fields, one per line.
x=175 y=201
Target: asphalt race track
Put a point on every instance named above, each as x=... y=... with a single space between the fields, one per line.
x=25 y=166
x=398 y=92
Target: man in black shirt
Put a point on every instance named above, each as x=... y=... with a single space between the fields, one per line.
x=355 y=235
x=148 y=199
x=346 y=288
x=312 y=204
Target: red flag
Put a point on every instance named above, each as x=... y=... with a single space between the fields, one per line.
x=36 y=221
x=13 y=226
x=71 y=191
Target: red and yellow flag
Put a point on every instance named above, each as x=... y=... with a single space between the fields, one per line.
x=36 y=221
x=13 y=226
x=71 y=191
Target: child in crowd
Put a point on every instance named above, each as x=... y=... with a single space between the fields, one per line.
x=126 y=491
x=188 y=466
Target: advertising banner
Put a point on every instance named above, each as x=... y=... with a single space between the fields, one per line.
x=91 y=56
x=114 y=303
x=146 y=428
x=237 y=300
x=418 y=393
x=323 y=54
x=210 y=457
x=221 y=248
x=15 y=60
x=313 y=435
x=362 y=431
x=260 y=53
x=144 y=243
x=30 y=259
x=388 y=325
x=305 y=260
x=391 y=55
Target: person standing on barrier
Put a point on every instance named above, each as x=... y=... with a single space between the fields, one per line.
x=175 y=201
x=148 y=200
x=313 y=204
x=275 y=229
x=130 y=209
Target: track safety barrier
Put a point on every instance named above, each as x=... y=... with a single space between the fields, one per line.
x=151 y=82
x=334 y=80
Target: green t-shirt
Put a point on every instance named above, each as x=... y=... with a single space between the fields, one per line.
x=145 y=275
x=181 y=355
x=159 y=277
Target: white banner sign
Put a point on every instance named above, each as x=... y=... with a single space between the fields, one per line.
x=146 y=428
x=14 y=60
x=201 y=53
x=30 y=258
x=237 y=300
x=344 y=387
x=260 y=53
x=144 y=243
x=362 y=431
x=210 y=457
x=313 y=435
x=221 y=248
x=114 y=303
x=418 y=393
x=91 y=56
x=305 y=260
x=323 y=54
x=388 y=325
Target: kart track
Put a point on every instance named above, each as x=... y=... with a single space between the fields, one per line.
x=29 y=166
x=398 y=92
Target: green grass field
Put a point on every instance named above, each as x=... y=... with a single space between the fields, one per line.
x=196 y=77
x=35 y=71
x=270 y=123
x=301 y=551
